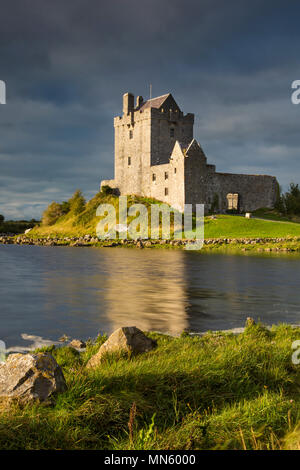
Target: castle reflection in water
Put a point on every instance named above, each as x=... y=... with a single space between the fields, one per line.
x=147 y=291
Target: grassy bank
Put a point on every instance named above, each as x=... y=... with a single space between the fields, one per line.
x=222 y=226
x=218 y=391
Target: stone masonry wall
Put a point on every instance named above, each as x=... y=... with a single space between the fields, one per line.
x=254 y=191
x=203 y=185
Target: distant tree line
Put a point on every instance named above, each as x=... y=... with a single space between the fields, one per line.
x=16 y=226
x=289 y=203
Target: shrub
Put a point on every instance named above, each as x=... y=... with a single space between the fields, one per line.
x=107 y=190
x=77 y=202
x=292 y=200
x=52 y=213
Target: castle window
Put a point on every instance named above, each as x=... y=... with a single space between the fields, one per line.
x=172 y=132
x=130 y=134
x=129 y=161
x=166 y=175
x=166 y=191
x=175 y=170
x=153 y=177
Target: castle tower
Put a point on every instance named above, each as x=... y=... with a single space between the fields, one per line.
x=145 y=135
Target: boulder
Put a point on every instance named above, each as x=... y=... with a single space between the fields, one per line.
x=77 y=344
x=31 y=377
x=128 y=339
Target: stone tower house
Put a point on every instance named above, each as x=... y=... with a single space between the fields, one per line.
x=156 y=156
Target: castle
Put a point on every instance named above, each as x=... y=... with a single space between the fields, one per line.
x=156 y=156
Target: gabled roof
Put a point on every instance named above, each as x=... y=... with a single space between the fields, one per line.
x=188 y=149
x=155 y=102
x=192 y=144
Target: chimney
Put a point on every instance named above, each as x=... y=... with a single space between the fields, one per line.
x=128 y=103
x=139 y=100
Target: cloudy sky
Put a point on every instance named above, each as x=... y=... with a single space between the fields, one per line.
x=66 y=64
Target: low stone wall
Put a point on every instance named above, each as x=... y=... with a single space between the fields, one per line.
x=89 y=240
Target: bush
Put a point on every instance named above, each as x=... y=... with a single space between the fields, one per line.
x=53 y=212
x=292 y=200
x=2 y=219
x=289 y=203
x=77 y=202
x=106 y=190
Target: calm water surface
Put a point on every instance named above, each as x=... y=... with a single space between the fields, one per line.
x=48 y=291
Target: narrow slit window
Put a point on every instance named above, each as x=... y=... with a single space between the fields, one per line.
x=166 y=191
x=129 y=161
x=175 y=171
x=130 y=134
x=172 y=132
x=153 y=177
x=166 y=175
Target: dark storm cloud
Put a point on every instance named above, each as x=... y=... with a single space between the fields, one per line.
x=67 y=63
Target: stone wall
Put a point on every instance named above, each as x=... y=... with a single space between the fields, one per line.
x=169 y=177
x=132 y=141
x=203 y=185
x=163 y=122
x=254 y=191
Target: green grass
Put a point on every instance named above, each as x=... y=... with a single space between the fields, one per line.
x=224 y=226
x=230 y=226
x=219 y=391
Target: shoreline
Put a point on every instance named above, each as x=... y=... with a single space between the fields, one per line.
x=216 y=391
x=39 y=342
x=263 y=245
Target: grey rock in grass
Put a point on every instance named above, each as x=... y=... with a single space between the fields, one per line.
x=128 y=339
x=31 y=377
x=77 y=344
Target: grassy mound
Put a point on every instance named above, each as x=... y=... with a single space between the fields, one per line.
x=74 y=224
x=219 y=391
x=223 y=226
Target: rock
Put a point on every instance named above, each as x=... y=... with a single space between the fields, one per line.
x=63 y=338
x=128 y=339
x=31 y=377
x=77 y=344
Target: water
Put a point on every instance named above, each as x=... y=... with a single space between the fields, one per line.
x=50 y=291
